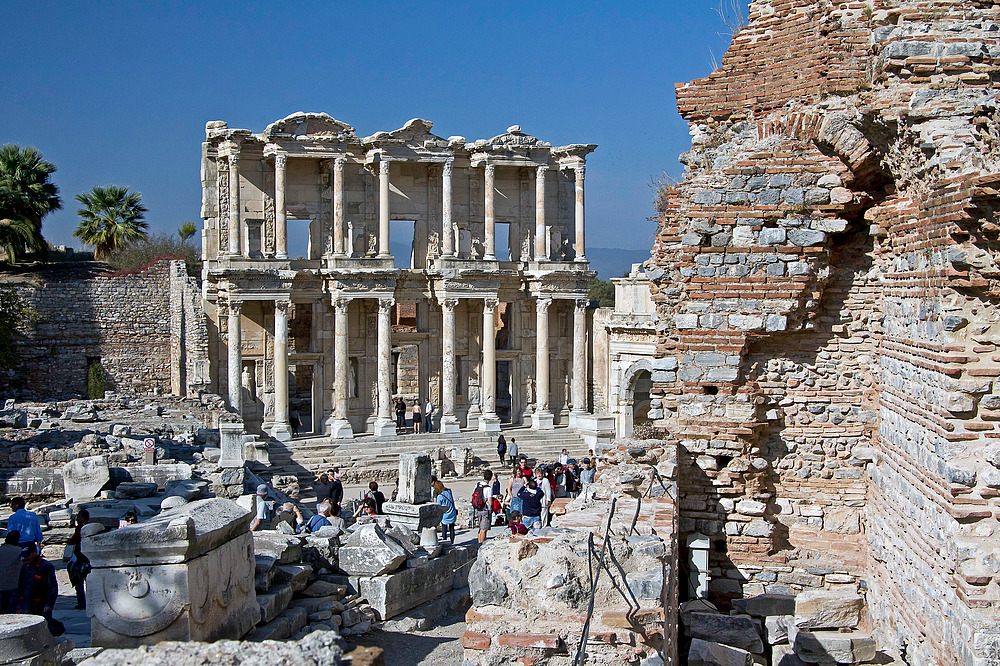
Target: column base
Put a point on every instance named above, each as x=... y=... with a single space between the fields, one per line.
x=385 y=427
x=489 y=423
x=281 y=255
x=574 y=415
x=449 y=425
x=543 y=420
x=341 y=429
x=281 y=432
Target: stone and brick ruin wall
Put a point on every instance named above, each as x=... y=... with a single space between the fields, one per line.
x=829 y=285
x=146 y=328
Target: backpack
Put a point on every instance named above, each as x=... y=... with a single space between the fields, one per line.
x=495 y=505
x=478 y=498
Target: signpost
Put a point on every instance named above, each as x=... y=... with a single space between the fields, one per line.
x=149 y=451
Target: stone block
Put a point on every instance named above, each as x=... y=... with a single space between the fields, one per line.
x=31 y=481
x=189 y=489
x=370 y=552
x=709 y=653
x=828 y=609
x=25 y=641
x=772 y=236
x=414 y=478
x=806 y=237
x=776 y=628
x=13 y=418
x=414 y=516
x=750 y=507
x=765 y=605
x=648 y=544
x=131 y=490
x=393 y=594
x=284 y=548
x=84 y=478
x=297 y=618
x=737 y=631
x=783 y=655
x=296 y=576
x=176 y=558
x=668 y=363
x=686 y=321
x=274 y=602
x=823 y=647
x=278 y=630
x=321 y=551
x=646 y=584
x=160 y=474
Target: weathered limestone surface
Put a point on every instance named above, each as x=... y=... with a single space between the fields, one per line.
x=83 y=478
x=25 y=641
x=186 y=574
x=826 y=298
x=394 y=594
x=369 y=551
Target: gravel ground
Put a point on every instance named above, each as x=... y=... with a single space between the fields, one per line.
x=441 y=646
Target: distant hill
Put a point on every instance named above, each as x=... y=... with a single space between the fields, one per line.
x=609 y=262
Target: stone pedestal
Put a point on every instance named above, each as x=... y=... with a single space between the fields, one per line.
x=542 y=420
x=489 y=423
x=184 y=575
x=414 y=516
x=414 y=478
x=231 y=443
x=25 y=639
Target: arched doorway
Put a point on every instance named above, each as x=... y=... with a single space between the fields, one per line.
x=636 y=384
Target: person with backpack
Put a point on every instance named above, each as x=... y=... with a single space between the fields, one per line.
x=496 y=501
x=531 y=503
x=502 y=449
x=446 y=499
x=263 y=511
x=481 y=503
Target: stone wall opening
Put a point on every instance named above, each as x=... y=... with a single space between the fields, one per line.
x=300 y=240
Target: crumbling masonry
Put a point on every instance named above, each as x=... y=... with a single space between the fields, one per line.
x=827 y=291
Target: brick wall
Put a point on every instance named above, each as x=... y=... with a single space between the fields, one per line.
x=830 y=281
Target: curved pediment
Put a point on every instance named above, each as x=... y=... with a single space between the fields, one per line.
x=515 y=138
x=311 y=125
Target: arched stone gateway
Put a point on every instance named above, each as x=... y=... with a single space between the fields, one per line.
x=634 y=395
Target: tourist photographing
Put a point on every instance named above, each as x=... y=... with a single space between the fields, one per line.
x=531 y=503
x=445 y=498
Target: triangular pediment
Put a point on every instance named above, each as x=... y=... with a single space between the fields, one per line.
x=415 y=130
x=515 y=138
x=311 y=125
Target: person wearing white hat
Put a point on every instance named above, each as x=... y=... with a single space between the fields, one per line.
x=262 y=514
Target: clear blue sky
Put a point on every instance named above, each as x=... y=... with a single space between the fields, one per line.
x=119 y=92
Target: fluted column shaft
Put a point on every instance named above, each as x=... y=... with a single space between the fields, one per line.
x=281 y=428
x=580 y=248
x=280 y=214
x=338 y=206
x=490 y=214
x=489 y=358
x=383 y=208
x=449 y=423
x=235 y=232
x=541 y=231
x=447 y=234
x=341 y=426
x=235 y=356
x=579 y=388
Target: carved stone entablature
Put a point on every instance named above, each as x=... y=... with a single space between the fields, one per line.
x=361 y=285
x=314 y=126
x=563 y=283
x=260 y=284
x=465 y=285
x=515 y=138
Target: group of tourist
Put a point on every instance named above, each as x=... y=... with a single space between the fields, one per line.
x=425 y=415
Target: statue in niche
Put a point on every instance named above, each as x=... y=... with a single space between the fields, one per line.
x=473 y=394
x=375 y=395
x=526 y=249
x=529 y=390
x=433 y=245
x=564 y=250
x=372 y=245
x=352 y=379
x=478 y=249
x=249 y=395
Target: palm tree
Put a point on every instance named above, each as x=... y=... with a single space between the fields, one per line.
x=112 y=216
x=26 y=196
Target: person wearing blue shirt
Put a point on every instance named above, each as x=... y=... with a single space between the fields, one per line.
x=321 y=518
x=447 y=500
x=25 y=522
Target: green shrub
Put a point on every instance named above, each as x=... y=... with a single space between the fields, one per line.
x=96 y=381
x=16 y=318
x=141 y=252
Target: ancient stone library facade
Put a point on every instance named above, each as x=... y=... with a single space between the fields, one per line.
x=826 y=291
x=487 y=319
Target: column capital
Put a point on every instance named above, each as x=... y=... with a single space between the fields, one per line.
x=232 y=305
x=581 y=303
x=385 y=305
x=581 y=171
x=449 y=165
x=340 y=303
x=383 y=167
x=490 y=169
x=339 y=162
x=540 y=170
x=448 y=304
x=280 y=160
x=543 y=302
x=490 y=303
x=282 y=306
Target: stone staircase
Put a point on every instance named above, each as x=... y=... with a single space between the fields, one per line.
x=306 y=457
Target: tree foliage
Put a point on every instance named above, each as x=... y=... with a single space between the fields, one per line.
x=139 y=253
x=111 y=217
x=26 y=196
x=187 y=230
x=16 y=317
x=603 y=292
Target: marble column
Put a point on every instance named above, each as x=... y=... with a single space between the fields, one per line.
x=384 y=423
x=449 y=422
x=541 y=231
x=338 y=207
x=579 y=247
x=579 y=388
x=341 y=425
x=383 y=208
x=235 y=356
x=280 y=214
x=235 y=226
x=447 y=233
x=489 y=422
x=542 y=418
x=281 y=430
x=490 y=215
